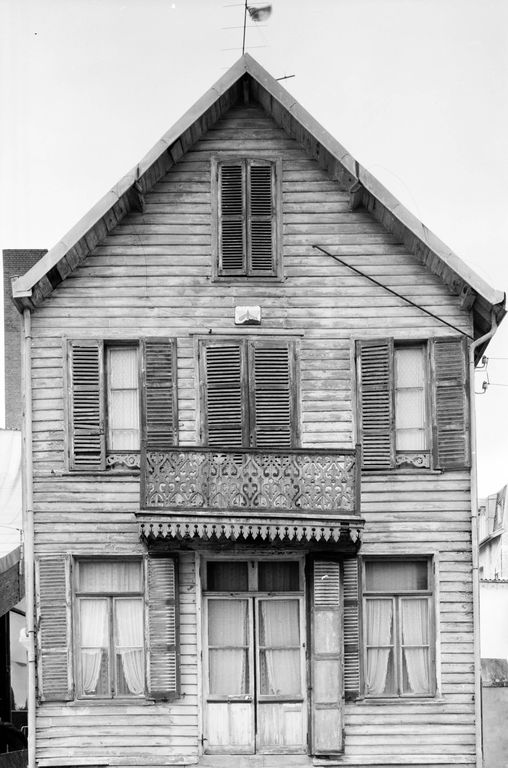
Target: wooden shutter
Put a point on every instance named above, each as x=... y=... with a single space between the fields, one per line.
x=159 y=394
x=451 y=403
x=225 y=396
x=54 y=628
x=86 y=406
x=261 y=219
x=163 y=656
x=326 y=663
x=375 y=396
x=351 y=630
x=232 y=235
x=272 y=394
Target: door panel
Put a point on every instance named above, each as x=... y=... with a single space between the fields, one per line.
x=229 y=678
x=280 y=675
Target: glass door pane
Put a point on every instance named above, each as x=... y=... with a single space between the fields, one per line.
x=279 y=648
x=228 y=644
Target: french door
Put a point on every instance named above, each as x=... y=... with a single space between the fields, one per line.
x=254 y=672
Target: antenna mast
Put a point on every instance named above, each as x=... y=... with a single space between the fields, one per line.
x=244 y=26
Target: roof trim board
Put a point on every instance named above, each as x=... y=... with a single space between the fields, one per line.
x=33 y=287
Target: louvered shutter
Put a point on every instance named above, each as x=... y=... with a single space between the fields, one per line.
x=261 y=219
x=326 y=663
x=232 y=211
x=351 y=630
x=375 y=395
x=86 y=406
x=225 y=396
x=159 y=394
x=163 y=655
x=451 y=403
x=54 y=628
x=272 y=408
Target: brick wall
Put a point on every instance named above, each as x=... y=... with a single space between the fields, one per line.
x=15 y=264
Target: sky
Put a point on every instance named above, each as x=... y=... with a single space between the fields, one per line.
x=416 y=90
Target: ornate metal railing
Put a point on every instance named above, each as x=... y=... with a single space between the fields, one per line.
x=288 y=480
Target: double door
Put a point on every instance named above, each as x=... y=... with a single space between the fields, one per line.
x=254 y=673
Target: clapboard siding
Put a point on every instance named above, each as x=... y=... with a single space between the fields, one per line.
x=151 y=276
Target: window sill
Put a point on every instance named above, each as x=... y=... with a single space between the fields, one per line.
x=365 y=701
x=141 y=702
x=403 y=471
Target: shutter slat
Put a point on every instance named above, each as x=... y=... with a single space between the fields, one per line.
x=224 y=396
x=451 y=403
x=376 y=403
x=351 y=629
x=326 y=642
x=232 y=220
x=273 y=402
x=261 y=219
x=54 y=635
x=159 y=394
x=163 y=673
x=86 y=418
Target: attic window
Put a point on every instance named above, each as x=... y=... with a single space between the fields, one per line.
x=246 y=198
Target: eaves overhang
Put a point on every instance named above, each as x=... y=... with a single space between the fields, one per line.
x=30 y=290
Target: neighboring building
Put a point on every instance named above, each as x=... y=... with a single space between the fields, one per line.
x=220 y=572
x=493 y=538
x=13 y=660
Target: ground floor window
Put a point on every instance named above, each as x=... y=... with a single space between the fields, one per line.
x=398 y=627
x=110 y=636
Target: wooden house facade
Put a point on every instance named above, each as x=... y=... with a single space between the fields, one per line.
x=248 y=460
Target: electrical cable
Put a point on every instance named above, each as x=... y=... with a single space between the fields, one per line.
x=399 y=296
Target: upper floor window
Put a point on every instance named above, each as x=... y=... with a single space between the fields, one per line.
x=413 y=403
x=398 y=631
x=249 y=395
x=118 y=393
x=246 y=197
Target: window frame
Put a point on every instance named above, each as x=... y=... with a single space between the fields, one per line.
x=396 y=596
x=246 y=345
x=111 y=597
x=275 y=162
x=428 y=452
x=125 y=344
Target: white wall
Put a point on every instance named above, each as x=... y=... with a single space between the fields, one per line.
x=494 y=619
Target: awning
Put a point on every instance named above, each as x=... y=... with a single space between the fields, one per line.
x=215 y=532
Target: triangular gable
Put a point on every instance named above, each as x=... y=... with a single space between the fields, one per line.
x=31 y=289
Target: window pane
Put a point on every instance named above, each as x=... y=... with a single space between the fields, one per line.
x=227 y=576
x=123 y=398
x=228 y=623
x=396 y=576
x=279 y=640
x=228 y=629
x=278 y=576
x=410 y=399
x=104 y=576
x=94 y=642
x=415 y=639
x=128 y=616
x=380 y=672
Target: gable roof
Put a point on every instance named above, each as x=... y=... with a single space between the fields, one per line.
x=31 y=289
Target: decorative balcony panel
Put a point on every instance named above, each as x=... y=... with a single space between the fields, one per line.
x=289 y=481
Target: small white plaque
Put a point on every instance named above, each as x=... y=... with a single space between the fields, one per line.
x=247 y=315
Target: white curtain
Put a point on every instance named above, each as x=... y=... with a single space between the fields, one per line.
x=94 y=641
x=129 y=642
x=415 y=622
x=103 y=576
x=410 y=399
x=228 y=626
x=123 y=399
x=379 y=633
x=280 y=666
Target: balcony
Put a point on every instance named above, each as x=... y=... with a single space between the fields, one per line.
x=289 y=482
